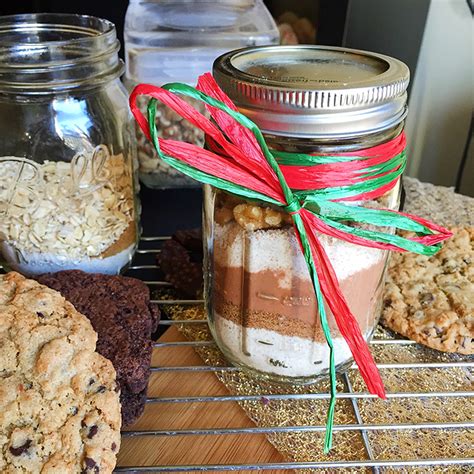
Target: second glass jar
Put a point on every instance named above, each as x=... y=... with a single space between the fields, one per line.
x=177 y=41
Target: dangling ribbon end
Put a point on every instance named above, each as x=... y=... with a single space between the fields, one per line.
x=381 y=393
x=327 y=445
x=376 y=386
x=329 y=427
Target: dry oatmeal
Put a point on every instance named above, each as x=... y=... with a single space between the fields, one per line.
x=67 y=210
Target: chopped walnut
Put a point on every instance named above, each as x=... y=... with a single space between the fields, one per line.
x=252 y=217
x=228 y=200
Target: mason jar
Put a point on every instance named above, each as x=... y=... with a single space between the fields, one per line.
x=260 y=299
x=177 y=41
x=68 y=192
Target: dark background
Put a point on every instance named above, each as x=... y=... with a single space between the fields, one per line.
x=329 y=14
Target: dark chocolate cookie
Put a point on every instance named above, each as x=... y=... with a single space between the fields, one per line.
x=120 y=311
x=181 y=261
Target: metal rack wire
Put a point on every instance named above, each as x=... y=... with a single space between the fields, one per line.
x=144 y=265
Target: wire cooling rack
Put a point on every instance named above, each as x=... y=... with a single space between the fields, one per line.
x=145 y=267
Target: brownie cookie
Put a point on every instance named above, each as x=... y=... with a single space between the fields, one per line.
x=431 y=299
x=59 y=402
x=133 y=405
x=120 y=311
x=180 y=260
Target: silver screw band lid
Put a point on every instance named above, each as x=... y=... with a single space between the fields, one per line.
x=315 y=91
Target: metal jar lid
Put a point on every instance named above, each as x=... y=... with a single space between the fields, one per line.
x=315 y=91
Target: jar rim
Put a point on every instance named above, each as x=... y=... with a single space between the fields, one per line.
x=102 y=27
x=43 y=53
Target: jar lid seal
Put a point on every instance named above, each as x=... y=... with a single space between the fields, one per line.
x=315 y=91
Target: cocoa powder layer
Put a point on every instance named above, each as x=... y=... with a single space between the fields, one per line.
x=272 y=321
x=258 y=300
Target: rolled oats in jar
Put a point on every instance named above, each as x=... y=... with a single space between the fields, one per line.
x=68 y=155
x=260 y=298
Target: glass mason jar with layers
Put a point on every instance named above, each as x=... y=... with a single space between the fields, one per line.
x=259 y=295
x=67 y=155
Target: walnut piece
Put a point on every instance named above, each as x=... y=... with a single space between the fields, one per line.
x=252 y=217
x=223 y=215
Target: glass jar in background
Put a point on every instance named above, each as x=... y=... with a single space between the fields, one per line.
x=68 y=153
x=177 y=41
x=259 y=295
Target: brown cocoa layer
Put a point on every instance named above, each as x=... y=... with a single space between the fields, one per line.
x=257 y=300
x=274 y=322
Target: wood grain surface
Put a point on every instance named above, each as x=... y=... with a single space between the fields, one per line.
x=188 y=450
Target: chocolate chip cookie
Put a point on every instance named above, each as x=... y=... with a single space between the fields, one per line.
x=59 y=404
x=431 y=299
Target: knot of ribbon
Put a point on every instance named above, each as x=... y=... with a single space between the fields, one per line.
x=293 y=207
x=316 y=190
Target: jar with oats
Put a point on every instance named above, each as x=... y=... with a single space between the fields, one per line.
x=67 y=155
x=260 y=299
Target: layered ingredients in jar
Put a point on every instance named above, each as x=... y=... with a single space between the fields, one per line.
x=67 y=215
x=264 y=313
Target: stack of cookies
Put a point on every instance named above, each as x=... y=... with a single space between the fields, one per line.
x=59 y=400
x=120 y=311
x=74 y=368
x=181 y=259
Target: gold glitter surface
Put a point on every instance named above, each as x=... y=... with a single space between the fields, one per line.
x=401 y=444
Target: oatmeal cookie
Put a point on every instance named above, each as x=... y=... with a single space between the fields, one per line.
x=431 y=299
x=59 y=405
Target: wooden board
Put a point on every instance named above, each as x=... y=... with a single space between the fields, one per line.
x=186 y=450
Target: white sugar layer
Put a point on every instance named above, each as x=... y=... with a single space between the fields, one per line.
x=279 y=250
x=270 y=352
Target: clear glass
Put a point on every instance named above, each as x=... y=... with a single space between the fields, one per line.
x=68 y=188
x=259 y=296
x=177 y=41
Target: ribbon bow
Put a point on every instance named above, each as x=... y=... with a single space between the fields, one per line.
x=313 y=189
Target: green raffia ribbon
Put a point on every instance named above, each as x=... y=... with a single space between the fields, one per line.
x=243 y=165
